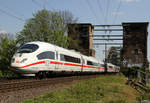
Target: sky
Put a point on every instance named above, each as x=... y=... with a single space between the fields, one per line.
x=14 y=13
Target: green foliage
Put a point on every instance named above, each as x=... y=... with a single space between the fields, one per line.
x=114 y=56
x=130 y=71
x=47 y=26
x=144 y=96
x=105 y=89
x=7 y=50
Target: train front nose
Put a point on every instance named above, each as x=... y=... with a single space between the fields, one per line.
x=18 y=62
x=21 y=66
x=21 y=61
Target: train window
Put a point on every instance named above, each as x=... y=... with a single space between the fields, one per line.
x=62 y=58
x=69 y=59
x=102 y=65
x=89 y=63
x=110 y=66
x=92 y=63
x=28 y=48
x=95 y=64
x=136 y=51
x=46 y=55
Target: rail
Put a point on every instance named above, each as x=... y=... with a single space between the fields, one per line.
x=27 y=84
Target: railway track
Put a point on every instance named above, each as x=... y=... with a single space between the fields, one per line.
x=16 y=85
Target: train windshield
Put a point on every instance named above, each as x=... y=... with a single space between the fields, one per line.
x=28 y=48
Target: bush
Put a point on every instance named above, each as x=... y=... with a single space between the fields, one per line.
x=130 y=71
x=145 y=96
x=7 y=50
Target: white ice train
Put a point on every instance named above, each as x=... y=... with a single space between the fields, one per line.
x=40 y=58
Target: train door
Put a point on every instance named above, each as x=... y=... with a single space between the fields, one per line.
x=58 y=62
x=82 y=63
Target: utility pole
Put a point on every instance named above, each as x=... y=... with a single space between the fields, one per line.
x=107 y=38
x=105 y=57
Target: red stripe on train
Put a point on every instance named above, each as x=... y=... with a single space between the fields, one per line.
x=69 y=64
x=41 y=62
x=55 y=62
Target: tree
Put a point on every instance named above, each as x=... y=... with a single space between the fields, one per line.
x=114 y=55
x=47 y=26
x=67 y=17
x=7 y=50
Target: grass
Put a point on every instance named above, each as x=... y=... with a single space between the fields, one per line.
x=144 y=96
x=104 y=89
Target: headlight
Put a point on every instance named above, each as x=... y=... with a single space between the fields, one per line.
x=25 y=59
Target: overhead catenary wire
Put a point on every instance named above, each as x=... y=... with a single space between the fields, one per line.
x=45 y=2
x=14 y=16
x=37 y=3
x=12 y=10
x=100 y=8
x=107 y=7
x=107 y=11
x=92 y=10
x=11 y=15
x=117 y=11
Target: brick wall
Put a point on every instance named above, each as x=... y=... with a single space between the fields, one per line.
x=81 y=38
x=135 y=44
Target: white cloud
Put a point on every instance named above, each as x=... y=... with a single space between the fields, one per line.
x=129 y=1
x=3 y=32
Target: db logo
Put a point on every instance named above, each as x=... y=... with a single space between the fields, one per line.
x=47 y=62
x=17 y=61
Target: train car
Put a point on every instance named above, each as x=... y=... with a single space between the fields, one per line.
x=91 y=64
x=117 y=69
x=112 y=68
x=29 y=59
x=102 y=66
x=40 y=58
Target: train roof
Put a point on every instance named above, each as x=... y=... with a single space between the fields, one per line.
x=62 y=49
x=40 y=44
